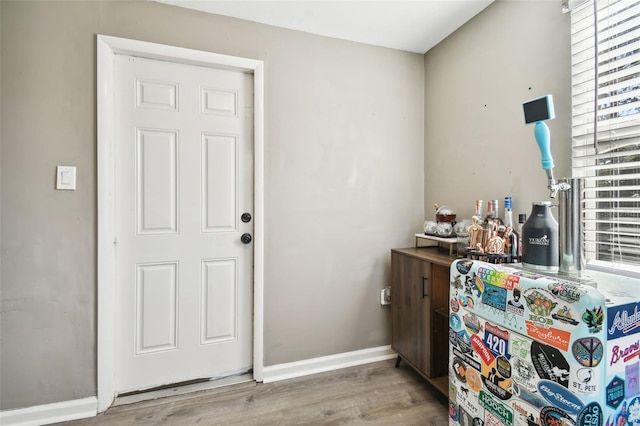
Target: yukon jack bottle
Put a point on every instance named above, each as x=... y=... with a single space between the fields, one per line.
x=540 y=239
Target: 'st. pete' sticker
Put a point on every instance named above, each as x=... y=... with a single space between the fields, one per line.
x=585 y=380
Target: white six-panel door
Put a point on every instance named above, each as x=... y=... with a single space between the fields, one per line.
x=184 y=149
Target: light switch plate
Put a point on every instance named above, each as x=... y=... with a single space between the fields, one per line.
x=66 y=178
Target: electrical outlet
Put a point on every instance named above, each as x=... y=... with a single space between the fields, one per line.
x=385 y=296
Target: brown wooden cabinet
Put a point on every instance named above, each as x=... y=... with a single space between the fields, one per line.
x=419 y=311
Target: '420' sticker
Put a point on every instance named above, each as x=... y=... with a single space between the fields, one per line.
x=497 y=340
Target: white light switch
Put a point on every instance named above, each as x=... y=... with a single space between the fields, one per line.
x=66 y=177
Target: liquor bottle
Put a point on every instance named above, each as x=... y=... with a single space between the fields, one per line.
x=508 y=212
x=513 y=235
x=496 y=215
x=522 y=218
x=490 y=213
x=489 y=225
x=478 y=209
x=487 y=220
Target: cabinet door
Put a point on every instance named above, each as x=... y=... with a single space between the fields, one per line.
x=440 y=306
x=411 y=311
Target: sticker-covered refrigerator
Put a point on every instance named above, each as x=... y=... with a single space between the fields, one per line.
x=532 y=349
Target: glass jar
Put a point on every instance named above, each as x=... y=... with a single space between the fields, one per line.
x=445 y=214
x=462 y=243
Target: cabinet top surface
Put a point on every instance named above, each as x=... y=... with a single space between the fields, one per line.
x=430 y=254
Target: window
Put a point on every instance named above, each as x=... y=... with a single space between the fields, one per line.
x=605 y=51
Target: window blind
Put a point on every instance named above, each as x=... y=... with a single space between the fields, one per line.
x=605 y=52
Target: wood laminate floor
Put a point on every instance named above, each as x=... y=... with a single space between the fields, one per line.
x=376 y=394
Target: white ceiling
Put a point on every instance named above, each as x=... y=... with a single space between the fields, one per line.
x=414 y=26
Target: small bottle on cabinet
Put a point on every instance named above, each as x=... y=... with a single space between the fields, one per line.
x=496 y=214
x=522 y=218
x=490 y=212
x=478 y=209
x=512 y=234
x=489 y=225
x=508 y=212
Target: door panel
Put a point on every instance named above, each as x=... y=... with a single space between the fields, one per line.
x=156 y=319
x=184 y=147
x=220 y=157
x=219 y=299
x=156 y=181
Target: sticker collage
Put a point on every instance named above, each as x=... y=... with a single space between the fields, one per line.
x=529 y=349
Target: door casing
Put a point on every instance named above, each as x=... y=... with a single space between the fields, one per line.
x=107 y=48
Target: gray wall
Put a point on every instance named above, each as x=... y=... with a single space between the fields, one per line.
x=476 y=142
x=347 y=128
x=343 y=185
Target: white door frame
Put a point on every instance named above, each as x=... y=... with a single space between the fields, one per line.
x=107 y=48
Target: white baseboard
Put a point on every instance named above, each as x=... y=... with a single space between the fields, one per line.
x=88 y=407
x=326 y=363
x=51 y=413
